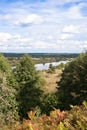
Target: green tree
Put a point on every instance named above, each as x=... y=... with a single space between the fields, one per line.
x=49 y=103
x=51 y=69
x=73 y=84
x=4 y=65
x=29 y=81
x=5 y=68
x=8 y=104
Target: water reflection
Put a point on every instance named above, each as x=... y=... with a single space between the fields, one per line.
x=46 y=65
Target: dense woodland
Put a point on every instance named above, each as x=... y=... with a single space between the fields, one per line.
x=24 y=104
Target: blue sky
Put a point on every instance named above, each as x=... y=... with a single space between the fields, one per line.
x=53 y=26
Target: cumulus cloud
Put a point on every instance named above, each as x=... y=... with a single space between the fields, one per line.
x=20 y=39
x=66 y=36
x=5 y=17
x=72 y=44
x=4 y=37
x=71 y=29
x=15 y=43
x=51 y=25
x=30 y=19
x=42 y=45
x=74 y=12
x=7 y=37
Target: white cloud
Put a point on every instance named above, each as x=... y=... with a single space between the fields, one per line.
x=5 y=17
x=7 y=39
x=72 y=43
x=20 y=39
x=71 y=29
x=85 y=45
x=66 y=36
x=74 y=12
x=30 y=19
x=50 y=37
x=49 y=26
x=42 y=45
x=4 y=37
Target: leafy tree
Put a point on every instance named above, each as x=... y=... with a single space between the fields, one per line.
x=73 y=84
x=4 y=65
x=8 y=104
x=29 y=81
x=5 y=68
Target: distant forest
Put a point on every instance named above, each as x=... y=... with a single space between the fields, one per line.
x=37 y=55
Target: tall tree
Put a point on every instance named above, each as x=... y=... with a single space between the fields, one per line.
x=29 y=81
x=73 y=84
x=8 y=104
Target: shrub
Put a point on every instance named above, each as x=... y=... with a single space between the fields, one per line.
x=49 y=103
x=51 y=69
x=75 y=119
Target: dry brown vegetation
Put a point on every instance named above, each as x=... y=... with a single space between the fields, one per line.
x=51 y=80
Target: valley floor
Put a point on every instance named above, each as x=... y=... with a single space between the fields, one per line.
x=51 y=80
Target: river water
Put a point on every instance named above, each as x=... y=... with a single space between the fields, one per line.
x=46 y=65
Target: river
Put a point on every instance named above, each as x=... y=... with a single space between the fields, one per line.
x=46 y=65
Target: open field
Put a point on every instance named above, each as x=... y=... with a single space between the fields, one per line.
x=51 y=80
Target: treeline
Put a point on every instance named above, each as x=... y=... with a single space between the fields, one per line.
x=38 y=55
x=21 y=91
x=41 y=57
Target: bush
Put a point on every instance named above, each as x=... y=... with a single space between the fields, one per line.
x=61 y=66
x=49 y=103
x=75 y=119
x=51 y=69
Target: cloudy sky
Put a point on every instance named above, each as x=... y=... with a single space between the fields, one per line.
x=43 y=26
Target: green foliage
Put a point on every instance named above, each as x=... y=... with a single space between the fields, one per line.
x=51 y=69
x=61 y=66
x=75 y=119
x=5 y=68
x=4 y=65
x=25 y=70
x=49 y=103
x=30 y=83
x=8 y=104
x=73 y=84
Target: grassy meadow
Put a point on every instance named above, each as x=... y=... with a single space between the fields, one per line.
x=51 y=80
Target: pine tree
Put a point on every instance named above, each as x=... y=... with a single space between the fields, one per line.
x=73 y=84
x=30 y=91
